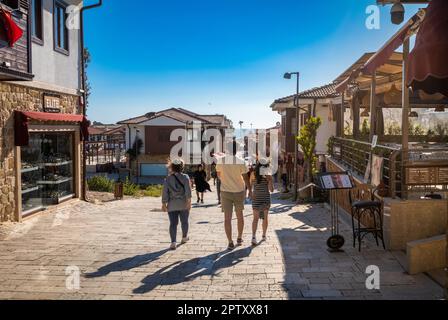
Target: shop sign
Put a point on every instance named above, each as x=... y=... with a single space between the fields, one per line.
x=52 y=103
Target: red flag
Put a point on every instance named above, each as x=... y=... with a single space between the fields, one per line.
x=12 y=30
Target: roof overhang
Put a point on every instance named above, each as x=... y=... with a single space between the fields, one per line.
x=386 y=62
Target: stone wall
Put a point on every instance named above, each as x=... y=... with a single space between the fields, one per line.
x=15 y=97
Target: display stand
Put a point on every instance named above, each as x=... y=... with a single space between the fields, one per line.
x=333 y=183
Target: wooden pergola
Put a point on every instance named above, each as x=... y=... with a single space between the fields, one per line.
x=378 y=81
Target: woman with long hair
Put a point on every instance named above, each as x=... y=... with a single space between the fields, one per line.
x=176 y=200
x=200 y=181
x=261 y=197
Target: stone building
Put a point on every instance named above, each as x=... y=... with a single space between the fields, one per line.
x=41 y=110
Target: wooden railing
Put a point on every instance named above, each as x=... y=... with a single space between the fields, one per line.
x=354 y=156
x=421 y=170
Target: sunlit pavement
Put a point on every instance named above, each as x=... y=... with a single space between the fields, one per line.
x=120 y=251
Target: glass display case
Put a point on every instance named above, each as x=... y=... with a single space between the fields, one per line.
x=47 y=170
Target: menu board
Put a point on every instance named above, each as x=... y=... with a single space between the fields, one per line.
x=334 y=181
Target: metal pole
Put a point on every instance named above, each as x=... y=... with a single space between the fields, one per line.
x=136 y=156
x=84 y=94
x=296 y=144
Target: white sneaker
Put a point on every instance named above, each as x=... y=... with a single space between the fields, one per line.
x=185 y=240
x=173 y=246
x=254 y=241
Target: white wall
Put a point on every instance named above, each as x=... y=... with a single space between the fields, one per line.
x=162 y=122
x=326 y=131
x=51 y=67
x=132 y=130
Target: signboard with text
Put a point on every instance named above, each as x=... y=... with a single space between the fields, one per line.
x=52 y=103
x=335 y=181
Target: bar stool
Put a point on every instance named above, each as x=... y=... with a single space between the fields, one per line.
x=362 y=209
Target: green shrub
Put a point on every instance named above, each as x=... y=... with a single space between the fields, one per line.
x=100 y=184
x=153 y=191
x=131 y=189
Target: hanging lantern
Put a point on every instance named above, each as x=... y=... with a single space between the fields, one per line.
x=440 y=109
x=393 y=96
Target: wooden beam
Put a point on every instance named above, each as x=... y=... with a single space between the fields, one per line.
x=405 y=101
x=373 y=106
x=342 y=117
x=405 y=115
x=356 y=116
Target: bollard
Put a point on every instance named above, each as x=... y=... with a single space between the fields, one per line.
x=119 y=191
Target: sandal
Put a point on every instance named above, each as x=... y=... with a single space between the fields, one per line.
x=231 y=246
x=239 y=242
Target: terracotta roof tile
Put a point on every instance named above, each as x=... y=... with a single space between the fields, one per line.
x=326 y=91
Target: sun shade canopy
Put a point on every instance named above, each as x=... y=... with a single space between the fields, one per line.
x=383 y=56
x=21 y=119
x=428 y=66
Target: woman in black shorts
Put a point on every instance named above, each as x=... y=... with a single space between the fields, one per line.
x=261 y=200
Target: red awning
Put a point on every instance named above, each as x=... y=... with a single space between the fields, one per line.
x=21 y=120
x=428 y=67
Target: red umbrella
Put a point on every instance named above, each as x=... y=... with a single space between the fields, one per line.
x=428 y=67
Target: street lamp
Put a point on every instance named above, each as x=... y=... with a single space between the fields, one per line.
x=137 y=131
x=288 y=76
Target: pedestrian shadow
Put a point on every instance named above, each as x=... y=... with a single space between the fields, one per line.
x=281 y=209
x=127 y=264
x=185 y=271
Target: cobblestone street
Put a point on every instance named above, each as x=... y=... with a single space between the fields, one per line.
x=121 y=251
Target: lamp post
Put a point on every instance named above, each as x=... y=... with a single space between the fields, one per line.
x=288 y=76
x=137 y=173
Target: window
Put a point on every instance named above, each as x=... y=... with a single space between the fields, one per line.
x=60 y=28
x=37 y=21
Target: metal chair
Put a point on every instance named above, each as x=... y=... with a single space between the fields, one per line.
x=362 y=208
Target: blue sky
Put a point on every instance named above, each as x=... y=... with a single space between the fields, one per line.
x=220 y=56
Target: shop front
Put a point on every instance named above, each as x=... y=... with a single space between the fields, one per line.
x=48 y=157
x=41 y=143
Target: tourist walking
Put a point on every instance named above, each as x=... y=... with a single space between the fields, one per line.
x=214 y=174
x=176 y=200
x=263 y=186
x=233 y=174
x=200 y=181
x=284 y=175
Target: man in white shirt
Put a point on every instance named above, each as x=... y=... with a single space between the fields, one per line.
x=234 y=176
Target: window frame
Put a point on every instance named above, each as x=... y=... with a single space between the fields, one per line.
x=34 y=38
x=57 y=4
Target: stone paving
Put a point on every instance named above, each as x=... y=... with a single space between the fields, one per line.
x=120 y=249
